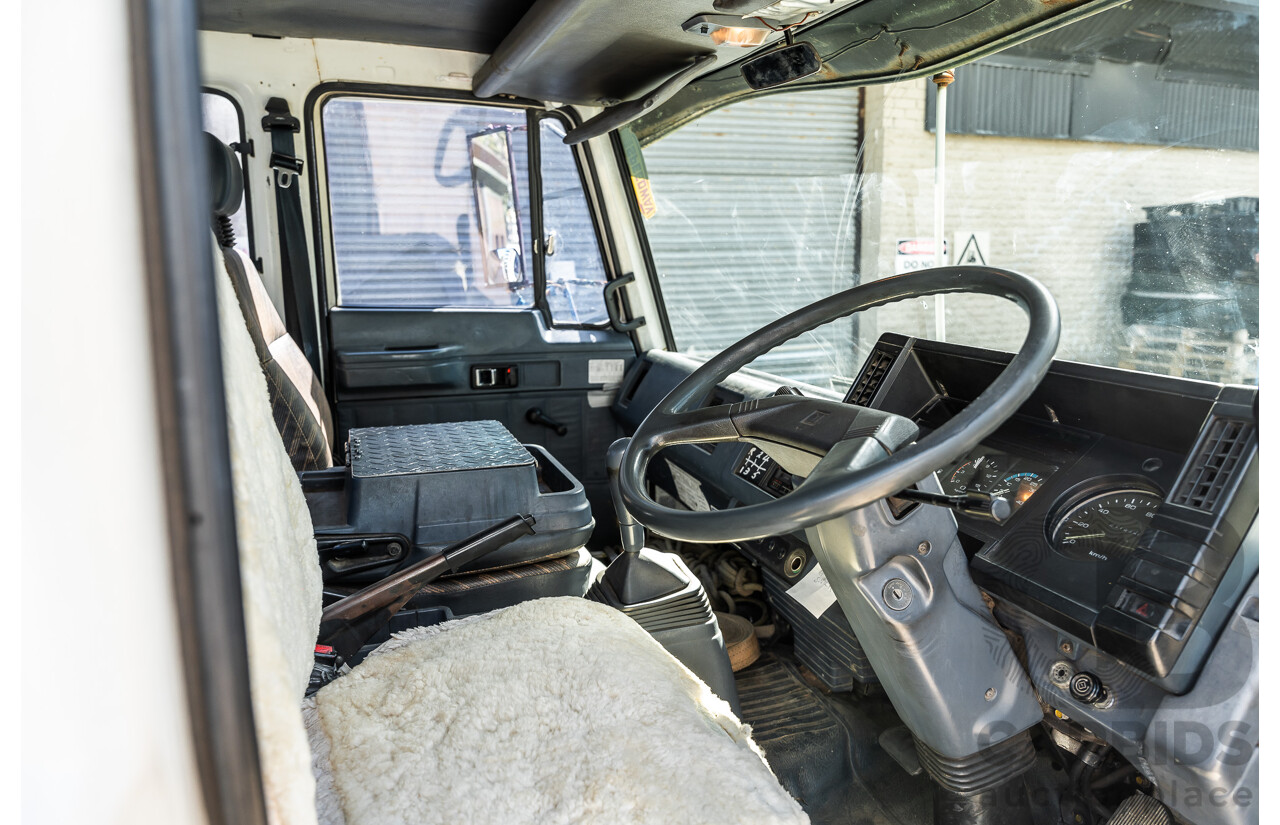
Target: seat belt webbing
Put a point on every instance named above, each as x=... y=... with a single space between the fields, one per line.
x=295 y=271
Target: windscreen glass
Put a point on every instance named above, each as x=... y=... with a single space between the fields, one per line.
x=1115 y=160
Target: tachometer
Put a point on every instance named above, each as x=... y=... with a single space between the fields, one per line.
x=1105 y=526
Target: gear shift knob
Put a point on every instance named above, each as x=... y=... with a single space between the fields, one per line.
x=631 y=531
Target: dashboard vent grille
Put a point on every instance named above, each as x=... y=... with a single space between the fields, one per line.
x=1214 y=464
x=864 y=389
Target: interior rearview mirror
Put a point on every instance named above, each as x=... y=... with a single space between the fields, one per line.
x=781 y=66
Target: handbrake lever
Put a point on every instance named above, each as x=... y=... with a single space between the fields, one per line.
x=978 y=505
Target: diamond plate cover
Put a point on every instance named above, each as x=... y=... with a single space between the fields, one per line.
x=433 y=448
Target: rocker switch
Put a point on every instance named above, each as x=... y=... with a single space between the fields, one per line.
x=493 y=377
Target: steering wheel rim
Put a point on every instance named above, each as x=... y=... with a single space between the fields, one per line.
x=828 y=494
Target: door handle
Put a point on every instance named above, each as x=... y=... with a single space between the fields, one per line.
x=615 y=315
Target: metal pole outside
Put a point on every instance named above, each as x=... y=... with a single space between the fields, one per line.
x=942 y=80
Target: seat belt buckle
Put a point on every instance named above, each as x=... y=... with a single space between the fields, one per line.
x=286 y=168
x=328 y=666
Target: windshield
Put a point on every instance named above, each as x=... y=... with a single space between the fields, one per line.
x=1115 y=160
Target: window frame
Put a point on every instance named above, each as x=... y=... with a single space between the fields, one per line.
x=244 y=156
x=324 y=249
x=604 y=244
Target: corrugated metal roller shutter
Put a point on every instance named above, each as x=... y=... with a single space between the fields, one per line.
x=757 y=216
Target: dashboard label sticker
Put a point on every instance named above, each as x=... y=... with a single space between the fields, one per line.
x=688 y=488
x=607 y=371
x=814 y=592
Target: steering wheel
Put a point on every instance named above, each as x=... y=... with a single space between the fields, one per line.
x=828 y=437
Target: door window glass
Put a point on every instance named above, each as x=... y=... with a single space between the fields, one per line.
x=428 y=203
x=574 y=269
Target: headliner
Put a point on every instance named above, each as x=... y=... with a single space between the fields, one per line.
x=601 y=52
x=463 y=25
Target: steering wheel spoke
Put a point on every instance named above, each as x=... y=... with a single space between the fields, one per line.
x=797 y=431
x=704 y=425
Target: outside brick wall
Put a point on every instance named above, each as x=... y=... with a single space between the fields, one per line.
x=1060 y=211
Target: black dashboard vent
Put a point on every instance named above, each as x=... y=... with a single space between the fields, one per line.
x=864 y=389
x=1214 y=463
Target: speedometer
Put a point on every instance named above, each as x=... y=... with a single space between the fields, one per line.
x=1105 y=526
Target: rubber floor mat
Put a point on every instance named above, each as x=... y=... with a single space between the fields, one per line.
x=824 y=749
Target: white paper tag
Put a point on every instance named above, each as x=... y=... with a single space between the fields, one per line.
x=814 y=592
x=688 y=488
x=601 y=398
x=607 y=371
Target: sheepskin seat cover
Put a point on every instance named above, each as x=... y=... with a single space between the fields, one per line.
x=558 y=710
x=279 y=570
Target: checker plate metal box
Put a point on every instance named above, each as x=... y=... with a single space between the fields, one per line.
x=434 y=448
x=441 y=483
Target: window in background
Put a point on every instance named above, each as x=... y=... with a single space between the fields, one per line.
x=428 y=203
x=1114 y=160
x=753 y=214
x=430 y=206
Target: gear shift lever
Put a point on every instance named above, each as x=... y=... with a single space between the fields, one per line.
x=631 y=531
x=637 y=574
x=661 y=593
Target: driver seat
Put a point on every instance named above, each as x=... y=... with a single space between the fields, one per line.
x=553 y=710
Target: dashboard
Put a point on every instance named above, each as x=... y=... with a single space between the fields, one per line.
x=1132 y=496
x=1127 y=569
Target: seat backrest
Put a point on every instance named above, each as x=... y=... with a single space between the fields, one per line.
x=279 y=572
x=279 y=566
x=298 y=405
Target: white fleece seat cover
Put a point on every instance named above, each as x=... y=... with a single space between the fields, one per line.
x=558 y=710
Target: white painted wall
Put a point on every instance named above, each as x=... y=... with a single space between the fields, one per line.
x=104 y=724
x=1061 y=211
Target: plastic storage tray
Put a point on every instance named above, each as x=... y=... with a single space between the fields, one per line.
x=440 y=483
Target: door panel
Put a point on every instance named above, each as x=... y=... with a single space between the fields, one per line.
x=407 y=366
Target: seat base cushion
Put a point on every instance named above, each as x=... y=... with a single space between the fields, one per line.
x=558 y=710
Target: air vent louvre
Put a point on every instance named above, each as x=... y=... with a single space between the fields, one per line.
x=864 y=389
x=1214 y=464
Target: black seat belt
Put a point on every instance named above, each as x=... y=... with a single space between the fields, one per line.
x=295 y=271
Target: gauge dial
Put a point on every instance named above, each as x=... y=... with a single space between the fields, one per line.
x=1105 y=526
x=977 y=474
x=1018 y=487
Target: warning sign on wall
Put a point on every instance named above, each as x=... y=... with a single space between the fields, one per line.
x=973 y=248
x=916 y=253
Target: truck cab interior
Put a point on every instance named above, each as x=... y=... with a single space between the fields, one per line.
x=592 y=412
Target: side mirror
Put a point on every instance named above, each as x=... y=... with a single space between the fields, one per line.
x=497 y=211
x=781 y=66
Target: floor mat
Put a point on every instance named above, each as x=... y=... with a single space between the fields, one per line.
x=824 y=749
